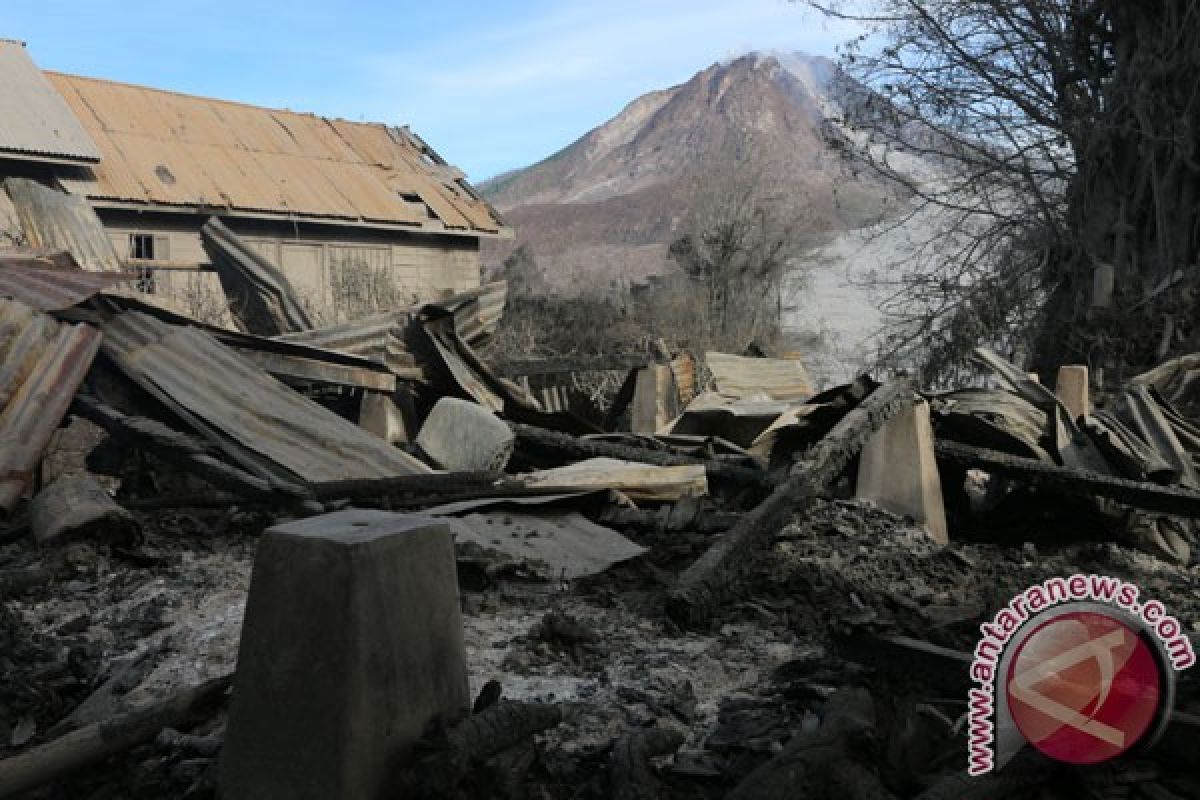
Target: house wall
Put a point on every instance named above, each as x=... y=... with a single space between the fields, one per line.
x=340 y=272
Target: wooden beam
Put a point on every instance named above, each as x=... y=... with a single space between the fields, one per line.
x=1147 y=496
x=573 y=448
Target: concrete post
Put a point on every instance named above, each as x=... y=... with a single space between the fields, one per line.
x=1072 y=390
x=379 y=415
x=352 y=642
x=655 y=399
x=897 y=471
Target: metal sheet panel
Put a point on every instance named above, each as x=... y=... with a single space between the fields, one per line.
x=770 y=378
x=58 y=221
x=379 y=338
x=261 y=424
x=34 y=117
x=263 y=298
x=172 y=149
x=42 y=363
x=54 y=289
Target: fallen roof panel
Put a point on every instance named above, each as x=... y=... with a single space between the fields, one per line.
x=261 y=296
x=54 y=289
x=42 y=363
x=261 y=424
x=58 y=221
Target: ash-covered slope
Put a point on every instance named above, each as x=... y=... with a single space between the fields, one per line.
x=605 y=207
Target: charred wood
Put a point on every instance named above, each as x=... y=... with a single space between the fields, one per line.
x=571 y=448
x=63 y=756
x=188 y=452
x=1148 y=496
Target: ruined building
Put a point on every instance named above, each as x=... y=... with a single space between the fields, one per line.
x=325 y=199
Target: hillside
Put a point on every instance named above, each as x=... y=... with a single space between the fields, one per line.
x=604 y=208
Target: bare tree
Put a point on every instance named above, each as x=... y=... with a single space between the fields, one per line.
x=736 y=244
x=1064 y=135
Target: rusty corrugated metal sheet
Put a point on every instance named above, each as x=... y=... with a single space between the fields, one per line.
x=379 y=337
x=54 y=289
x=34 y=119
x=42 y=363
x=261 y=296
x=261 y=424
x=58 y=221
x=172 y=149
x=476 y=312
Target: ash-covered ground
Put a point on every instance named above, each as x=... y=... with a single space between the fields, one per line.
x=820 y=616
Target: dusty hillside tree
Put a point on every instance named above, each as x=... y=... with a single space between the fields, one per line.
x=737 y=246
x=1068 y=134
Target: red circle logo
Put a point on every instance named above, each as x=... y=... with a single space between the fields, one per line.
x=1084 y=687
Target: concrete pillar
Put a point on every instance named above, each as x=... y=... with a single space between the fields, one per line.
x=897 y=471
x=461 y=436
x=352 y=642
x=1072 y=390
x=655 y=399
x=379 y=415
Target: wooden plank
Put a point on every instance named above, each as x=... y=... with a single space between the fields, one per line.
x=638 y=481
x=571 y=448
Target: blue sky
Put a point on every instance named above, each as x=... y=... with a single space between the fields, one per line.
x=491 y=85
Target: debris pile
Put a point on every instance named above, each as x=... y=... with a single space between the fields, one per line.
x=750 y=590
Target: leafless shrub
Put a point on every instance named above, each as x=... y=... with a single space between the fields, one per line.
x=359 y=289
x=205 y=301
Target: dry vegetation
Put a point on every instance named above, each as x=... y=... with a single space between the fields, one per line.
x=723 y=288
x=1067 y=132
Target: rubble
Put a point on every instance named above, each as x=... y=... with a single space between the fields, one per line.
x=729 y=587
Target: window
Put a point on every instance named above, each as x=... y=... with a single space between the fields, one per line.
x=147 y=247
x=141 y=247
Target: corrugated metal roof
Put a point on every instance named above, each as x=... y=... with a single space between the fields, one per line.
x=171 y=149
x=34 y=119
x=42 y=363
x=58 y=221
x=54 y=289
x=261 y=424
